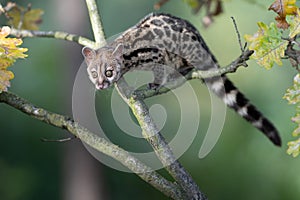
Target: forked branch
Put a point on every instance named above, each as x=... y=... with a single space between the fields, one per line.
x=185 y=187
x=96 y=142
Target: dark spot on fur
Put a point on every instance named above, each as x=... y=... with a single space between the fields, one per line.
x=185 y=37
x=174 y=37
x=148 y=36
x=156 y=22
x=241 y=100
x=168 y=32
x=175 y=28
x=168 y=20
x=148 y=60
x=167 y=44
x=228 y=86
x=155 y=50
x=160 y=45
x=189 y=47
x=158 y=32
x=138 y=32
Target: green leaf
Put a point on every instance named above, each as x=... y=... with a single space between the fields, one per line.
x=267 y=44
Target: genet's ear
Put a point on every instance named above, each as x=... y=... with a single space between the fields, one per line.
x=88 y=53
x=118 y=51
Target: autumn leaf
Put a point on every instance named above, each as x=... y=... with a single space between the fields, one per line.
x=292 y=95
x=5 y=77
x=294 y=148
x=283 y=8
x=296 y=120
x=294 y=22
x=9 y=52
x=24 y=18
x=267 y=44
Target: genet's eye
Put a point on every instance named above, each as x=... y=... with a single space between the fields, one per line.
x=108 y=73
x=94 y=74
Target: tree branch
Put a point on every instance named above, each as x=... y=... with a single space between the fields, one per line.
x=198 y=74
x=293 y=54
x=150 y=132
x=96 y=23
x=158 y=143
x=56 y=35
x=232 y=67
x=140 y=110
x=96 y=142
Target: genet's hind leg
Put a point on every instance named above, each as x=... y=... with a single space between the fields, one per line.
x=159 y=78
x=167 y=77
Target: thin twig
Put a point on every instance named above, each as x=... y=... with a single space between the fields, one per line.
x=96 y=23
x=96 y=142
x=54 y=34
x=238 y=34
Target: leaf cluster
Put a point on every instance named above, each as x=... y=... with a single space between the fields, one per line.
x=267 y=44
x=270 y=41
x=19 y=18
x=292 y=95
x=274 y=42
x=9 y=53
x=25 y=18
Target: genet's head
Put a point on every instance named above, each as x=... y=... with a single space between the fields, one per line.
x=104 y=65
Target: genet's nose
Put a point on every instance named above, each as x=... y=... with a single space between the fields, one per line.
x=99 y=86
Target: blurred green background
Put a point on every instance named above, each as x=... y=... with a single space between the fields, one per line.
x=243 y=164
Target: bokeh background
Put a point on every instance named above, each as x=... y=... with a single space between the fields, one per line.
x=243 y=164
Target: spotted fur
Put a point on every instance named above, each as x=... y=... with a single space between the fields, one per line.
x=161 y=40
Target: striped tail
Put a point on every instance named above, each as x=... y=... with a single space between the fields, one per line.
x=225 y=89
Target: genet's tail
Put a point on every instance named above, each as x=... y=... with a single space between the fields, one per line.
x=233 y=98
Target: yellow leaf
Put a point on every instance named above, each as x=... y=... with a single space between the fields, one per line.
x=9 y=52
x=5 y=77
x=294 y=22
x=290 y=7
x=294 y=148
x=283 y=8
x=5 y=62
